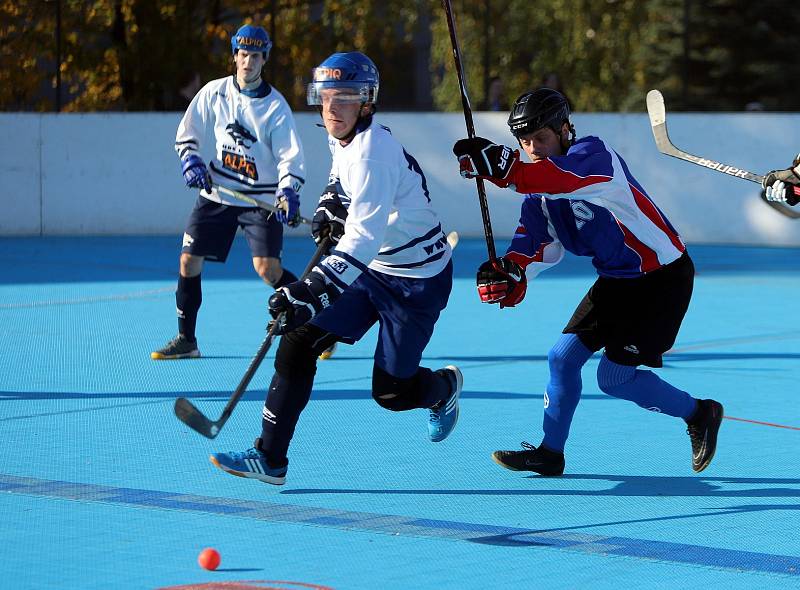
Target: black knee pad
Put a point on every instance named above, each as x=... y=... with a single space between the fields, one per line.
x=299 y=349
x=394 y=393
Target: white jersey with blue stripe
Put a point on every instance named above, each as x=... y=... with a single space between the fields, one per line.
x=589 y=203
x=391 y=226
x=247 y=138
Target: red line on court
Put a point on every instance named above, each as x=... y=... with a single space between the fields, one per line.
x=762 y=423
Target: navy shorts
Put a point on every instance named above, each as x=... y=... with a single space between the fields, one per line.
x=406 y=309
x=212 y=227
x=635 y=320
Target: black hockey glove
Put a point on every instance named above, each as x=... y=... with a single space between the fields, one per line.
x=783 y=186
x=504 y=284
x=296 y=303
x=330 y=216
x=482 y=158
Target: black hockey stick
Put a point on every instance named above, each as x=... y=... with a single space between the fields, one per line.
x=658 y=120
x=487 y=223
x=194 y=418
x=253 y=201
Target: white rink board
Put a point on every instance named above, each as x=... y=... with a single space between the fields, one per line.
x=117 y=173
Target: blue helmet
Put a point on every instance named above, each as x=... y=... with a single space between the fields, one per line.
x=251 y=38
x=352 y=70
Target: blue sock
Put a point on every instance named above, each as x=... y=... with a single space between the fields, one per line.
x=566 y=359
x=644 y=388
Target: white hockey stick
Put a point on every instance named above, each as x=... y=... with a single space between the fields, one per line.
x=252 y=201
x=658 y=120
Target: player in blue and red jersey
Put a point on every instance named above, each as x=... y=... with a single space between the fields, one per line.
x=580 y=196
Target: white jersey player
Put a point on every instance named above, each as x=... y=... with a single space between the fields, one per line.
x=390 y=264
x=245 y=129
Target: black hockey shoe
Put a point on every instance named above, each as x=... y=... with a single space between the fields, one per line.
x=177 y=348
x=702 y=431
x=537 y=459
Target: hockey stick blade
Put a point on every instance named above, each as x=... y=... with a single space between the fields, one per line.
x=194 y=418
x=657 y=112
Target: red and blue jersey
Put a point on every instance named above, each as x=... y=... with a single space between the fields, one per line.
x=587 y=202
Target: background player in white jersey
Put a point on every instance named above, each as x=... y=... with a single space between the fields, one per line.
x=390 y=265
x=783 y=186
x=245 y=129
x=582 y=198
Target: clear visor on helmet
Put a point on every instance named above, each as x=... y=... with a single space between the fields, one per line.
x=338 y=92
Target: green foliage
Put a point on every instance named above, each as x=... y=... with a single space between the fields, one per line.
x=145 y=55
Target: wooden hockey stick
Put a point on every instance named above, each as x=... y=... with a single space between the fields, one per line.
x=484 y=204
x=250 y=200
x=658 y=120
x=194 y=418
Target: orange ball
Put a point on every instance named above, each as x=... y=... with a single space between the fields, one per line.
x=209 y=559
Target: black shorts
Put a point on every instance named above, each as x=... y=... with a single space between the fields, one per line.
x=212 y=227
x=635 y=320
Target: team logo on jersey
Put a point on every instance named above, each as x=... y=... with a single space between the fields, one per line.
x=240 y=164
x=337 y=264
x=437 y=245
x=582 y=213
x=241 y=134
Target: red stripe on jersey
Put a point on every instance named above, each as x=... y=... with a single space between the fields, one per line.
x=648 y=255
x=524 y=260
x=653 y=214
x=545 y=177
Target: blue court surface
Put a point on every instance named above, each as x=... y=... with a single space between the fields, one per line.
x=102 y=487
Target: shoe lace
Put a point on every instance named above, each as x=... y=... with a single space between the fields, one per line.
x=251 y=453
x=695 y=434
x=527 y=446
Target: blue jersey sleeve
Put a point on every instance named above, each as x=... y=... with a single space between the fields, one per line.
x=535 y=246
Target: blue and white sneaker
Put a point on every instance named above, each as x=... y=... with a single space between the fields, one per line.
x=444 y=416
x=251 y=463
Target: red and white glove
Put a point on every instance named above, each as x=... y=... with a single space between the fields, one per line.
x=502 y=282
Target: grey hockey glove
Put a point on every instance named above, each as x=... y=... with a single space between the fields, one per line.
x=330 y=216
x=296 y=303
x=479 y=157
x=783 y=186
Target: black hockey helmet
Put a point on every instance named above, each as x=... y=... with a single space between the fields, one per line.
x=543 y=107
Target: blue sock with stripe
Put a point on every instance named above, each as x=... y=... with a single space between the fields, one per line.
x=644 y=388
x=566 y=359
